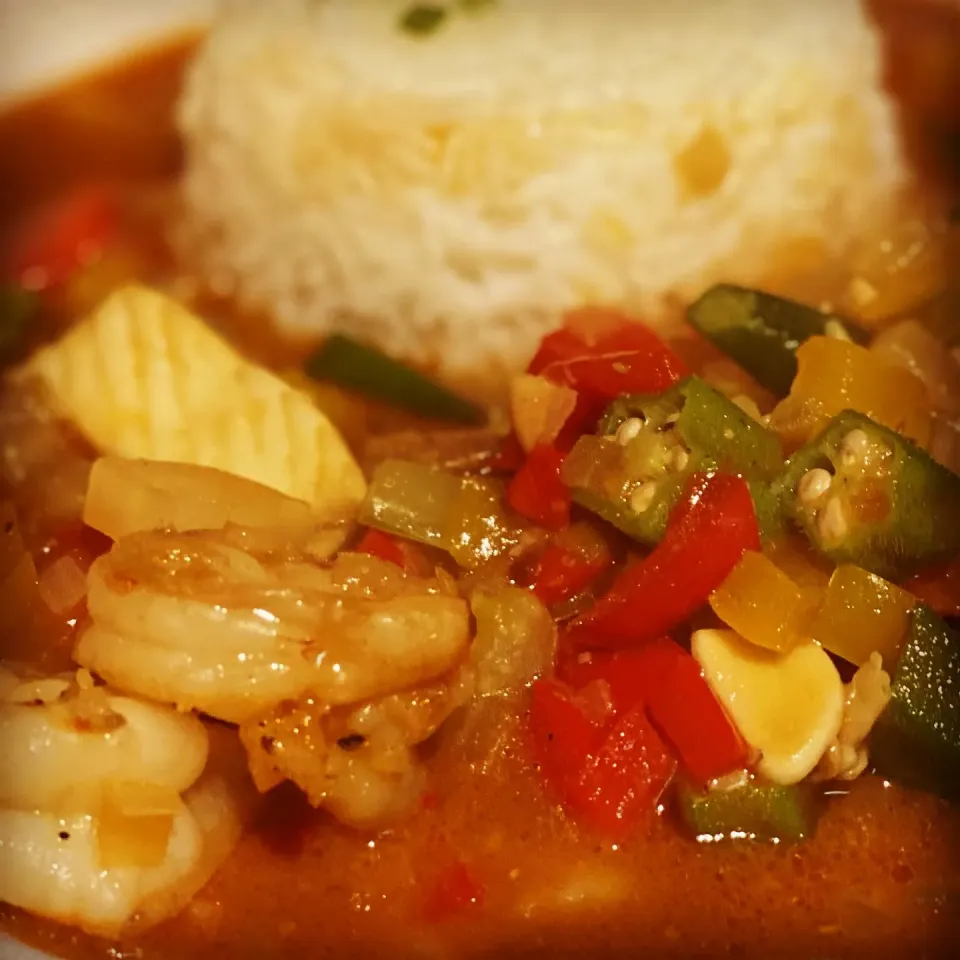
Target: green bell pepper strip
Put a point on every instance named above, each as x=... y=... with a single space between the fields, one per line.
x=761 y=332
x=18 y=307
x=691 y=427
x=886 y=505
x=463 y=515
x=916 y=740
x=749 y=811
x=358 y=367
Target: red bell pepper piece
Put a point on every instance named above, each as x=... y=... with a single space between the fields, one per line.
x=565 y=569
x=667 y=681
x=63 y=237
x=556 y=347
x=712 y=526
x=687 y=713
x=602 y=354
x=537 y=492
x=607 y=773
x=454 y=890
x=376 y=543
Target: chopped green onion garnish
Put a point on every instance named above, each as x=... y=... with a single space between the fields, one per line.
x=367 y=371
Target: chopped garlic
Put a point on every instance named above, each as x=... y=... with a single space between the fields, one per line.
x=787 y=706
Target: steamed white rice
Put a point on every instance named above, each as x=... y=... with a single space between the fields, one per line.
x=449 y=194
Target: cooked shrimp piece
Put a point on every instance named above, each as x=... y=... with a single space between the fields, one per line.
x=866 y=696
x=357 y=762
x=233 y=622
x=56 y=747
x=104 y=818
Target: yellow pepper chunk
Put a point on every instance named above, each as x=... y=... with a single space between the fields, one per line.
x=898 y=274
x=844 y=376
x=761 y=603
x=862 y=613
x=795 y=557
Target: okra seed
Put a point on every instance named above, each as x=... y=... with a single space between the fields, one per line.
x=642 y=497
x=854 y=447
x=629 y=430
x=680 y=458
x=813 y=485
x=833 y=523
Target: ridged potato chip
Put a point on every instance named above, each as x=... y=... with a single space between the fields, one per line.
x=142 y=377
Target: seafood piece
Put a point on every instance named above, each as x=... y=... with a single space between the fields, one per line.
x=105 y=820
x=233 y=622
x=358 y=762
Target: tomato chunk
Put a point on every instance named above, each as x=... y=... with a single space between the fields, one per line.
x=376 y=543
x=63 y=237
x=667 y=682
x=537 y=492
x=608 y=773
x=569 y=565
x=603 y=354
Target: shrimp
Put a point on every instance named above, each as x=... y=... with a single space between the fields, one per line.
x=866 y=696
x=235 y=621
x=105 y=821
x=357 y=762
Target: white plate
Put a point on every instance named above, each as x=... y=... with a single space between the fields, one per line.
x=44 y=41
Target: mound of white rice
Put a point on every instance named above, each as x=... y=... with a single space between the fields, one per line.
x=448 y=193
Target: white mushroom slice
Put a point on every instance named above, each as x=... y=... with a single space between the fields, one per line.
x=787 y=706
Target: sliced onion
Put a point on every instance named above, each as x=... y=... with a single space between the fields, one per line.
x=539 y=409
x=128 y=496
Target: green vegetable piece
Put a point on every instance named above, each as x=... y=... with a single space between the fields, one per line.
x=916 y=740
x=463 y=515
x=422 y=19
x=762 y=332
x=635 y=485
x=18 y=307
x=863 y=494
x=367 y=371
x=750 y=811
